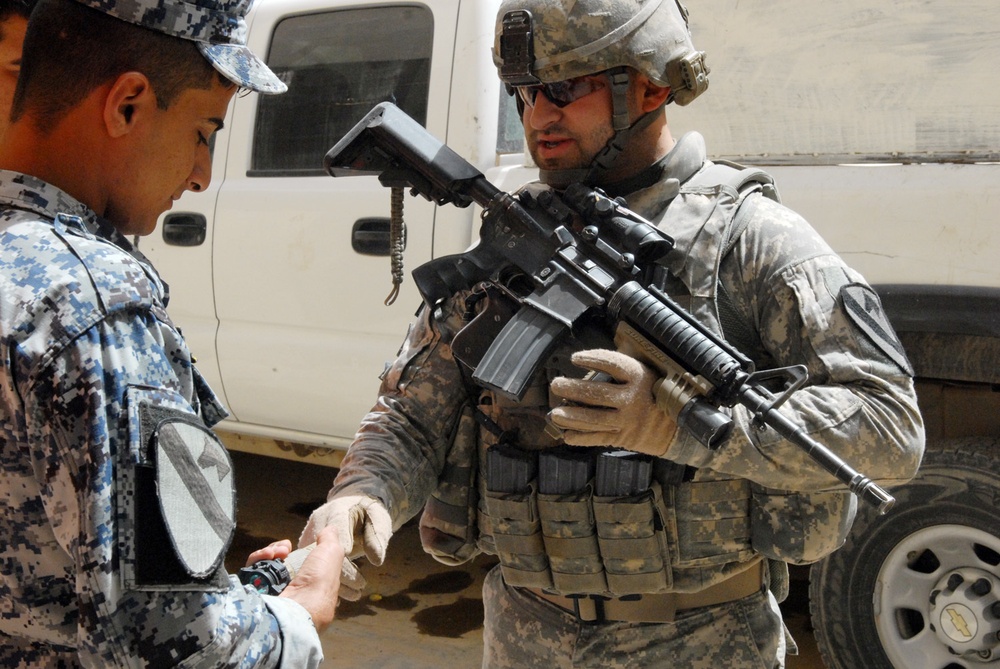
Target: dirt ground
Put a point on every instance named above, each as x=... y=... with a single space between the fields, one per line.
x=417 y=613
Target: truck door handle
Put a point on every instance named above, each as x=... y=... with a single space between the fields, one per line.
x=184 y=229
x=371 y=237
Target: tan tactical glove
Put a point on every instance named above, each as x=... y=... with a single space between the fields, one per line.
x=360 y=520
x=618 y=412
x=352 y=583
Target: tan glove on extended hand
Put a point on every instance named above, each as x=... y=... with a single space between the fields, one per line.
x=352 y=583
x=360 y=520
x=620 y=412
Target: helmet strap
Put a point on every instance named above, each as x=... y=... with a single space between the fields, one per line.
x=605 y=159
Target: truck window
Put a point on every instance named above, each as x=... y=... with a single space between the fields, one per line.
x=510 y=132
x=338 y=65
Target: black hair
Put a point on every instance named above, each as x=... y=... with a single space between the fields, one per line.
x=10 y=8
x=71 y=49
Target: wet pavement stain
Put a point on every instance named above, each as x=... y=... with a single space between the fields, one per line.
x=450 y=620
x=347 y=610
x=398 y=602
x=441 y=583
x=366 y=605
x=434 y=584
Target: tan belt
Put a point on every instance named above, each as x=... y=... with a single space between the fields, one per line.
x=658 y=608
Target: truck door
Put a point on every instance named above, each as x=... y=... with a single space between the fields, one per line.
x=298 y=259
x=300 y=267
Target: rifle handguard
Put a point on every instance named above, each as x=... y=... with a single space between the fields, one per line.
x=677 y=395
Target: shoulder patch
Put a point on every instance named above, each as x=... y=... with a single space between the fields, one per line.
x=865 y=311
x=176 y=497
x=197 y=496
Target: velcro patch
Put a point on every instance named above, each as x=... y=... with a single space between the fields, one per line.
x=865 y=310
x=176 y=497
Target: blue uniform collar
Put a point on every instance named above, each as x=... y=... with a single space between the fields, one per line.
x=23 y=191
x=28 y=193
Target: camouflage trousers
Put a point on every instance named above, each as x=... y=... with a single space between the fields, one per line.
x=524 y=632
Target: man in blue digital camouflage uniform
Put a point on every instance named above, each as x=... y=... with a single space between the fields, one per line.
x=116 y=500
x=652 y=550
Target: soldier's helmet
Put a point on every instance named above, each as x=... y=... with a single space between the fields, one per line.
x=545 y=41
x=218 y=27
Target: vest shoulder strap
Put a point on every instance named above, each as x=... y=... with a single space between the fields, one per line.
x=746 y=181
x=740 y=177
x=750 y=183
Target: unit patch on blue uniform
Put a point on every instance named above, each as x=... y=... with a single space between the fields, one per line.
x=197 y=497
x=177 y=498
x=865 y=311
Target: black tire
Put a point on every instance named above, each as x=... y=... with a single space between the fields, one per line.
x=945 y=524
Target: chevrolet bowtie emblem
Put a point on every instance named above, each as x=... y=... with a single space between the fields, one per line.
x=961 y=626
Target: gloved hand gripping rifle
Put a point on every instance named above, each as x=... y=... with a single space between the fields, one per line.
x=583 y=252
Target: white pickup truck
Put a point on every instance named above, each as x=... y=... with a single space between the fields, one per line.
x=881 y=124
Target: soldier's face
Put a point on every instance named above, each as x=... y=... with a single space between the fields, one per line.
x=168 y=154
x=568 y=137
x=565 y=135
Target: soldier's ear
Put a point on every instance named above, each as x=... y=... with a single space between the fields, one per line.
x=651 y=96
x=129 y=98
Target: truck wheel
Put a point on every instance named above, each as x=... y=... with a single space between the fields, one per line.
x=920 y=586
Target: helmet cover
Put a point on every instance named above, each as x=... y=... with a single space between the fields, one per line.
x=544 y=41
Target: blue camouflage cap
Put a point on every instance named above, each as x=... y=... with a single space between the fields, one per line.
x=218 y=26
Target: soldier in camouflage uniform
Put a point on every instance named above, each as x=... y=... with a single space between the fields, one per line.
x=686 y=569
x=117 y=500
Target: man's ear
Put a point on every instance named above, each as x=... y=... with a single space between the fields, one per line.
x=129 y=99
x=653 y=96
x=647 y=95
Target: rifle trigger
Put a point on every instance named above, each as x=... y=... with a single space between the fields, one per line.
x=473 y=340
x=794 y=377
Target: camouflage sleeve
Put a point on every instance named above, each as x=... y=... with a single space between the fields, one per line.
x=400 y=447
x=810 y=308
x=78 y=429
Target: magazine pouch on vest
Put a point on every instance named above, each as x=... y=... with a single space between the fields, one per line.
x=511 y=509
x=612 y=523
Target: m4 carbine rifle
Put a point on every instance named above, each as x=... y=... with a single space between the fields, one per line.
x=583 y=252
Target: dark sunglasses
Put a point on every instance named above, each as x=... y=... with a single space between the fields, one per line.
x=562 y=93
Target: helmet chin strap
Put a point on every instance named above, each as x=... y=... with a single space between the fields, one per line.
x=596 y=173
